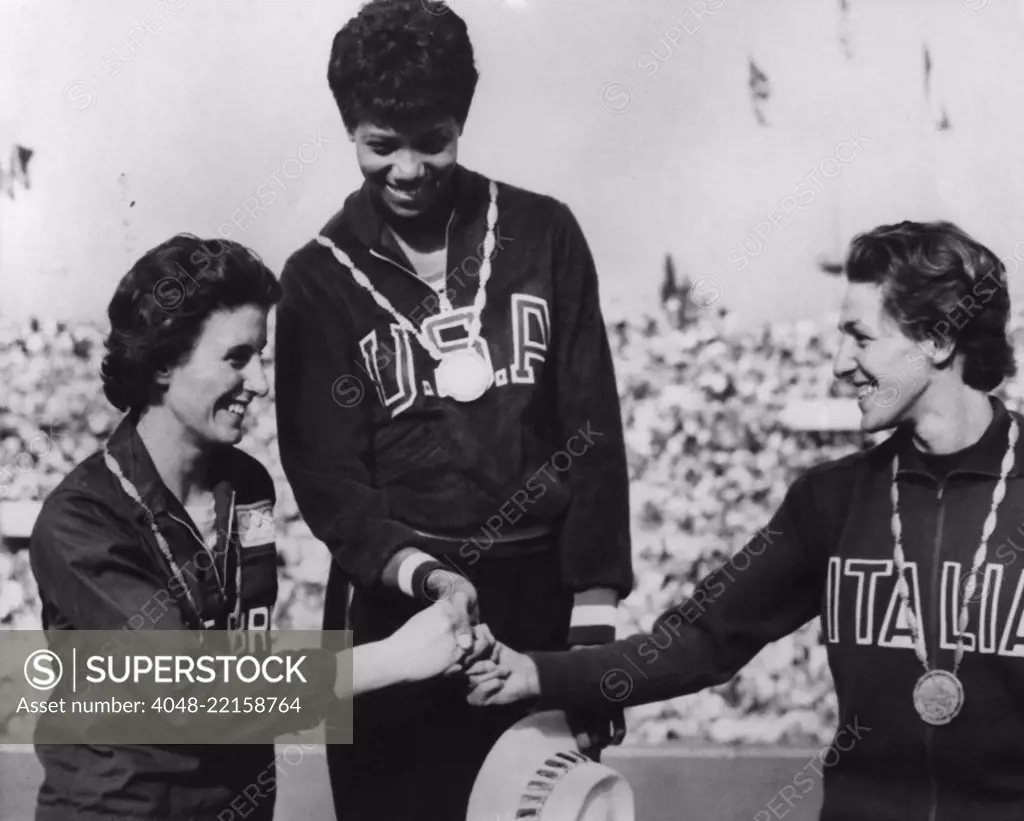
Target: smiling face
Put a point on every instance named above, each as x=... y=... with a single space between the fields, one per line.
x=890 y=370
x=409 y=169
x=209 y=392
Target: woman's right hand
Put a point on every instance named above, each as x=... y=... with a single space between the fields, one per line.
x=431 y=643
x=434 y=642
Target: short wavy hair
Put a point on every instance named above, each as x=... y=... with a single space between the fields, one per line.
x=939 y=284
x=399 y=62
x=161 y=305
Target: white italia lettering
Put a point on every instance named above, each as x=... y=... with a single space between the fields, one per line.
x=1012 y=643
x=531 y=337
x=989 y=632
x=835 y=574
x=867 y=571
x=896 y=632
x=949 y=610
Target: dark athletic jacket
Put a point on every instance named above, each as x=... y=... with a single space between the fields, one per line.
x=828 y=552
x=374 y=455
x=98 y=567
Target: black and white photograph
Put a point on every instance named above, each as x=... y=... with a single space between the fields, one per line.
x=561 y=410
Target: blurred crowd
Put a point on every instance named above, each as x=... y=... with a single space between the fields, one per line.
x=709 y=460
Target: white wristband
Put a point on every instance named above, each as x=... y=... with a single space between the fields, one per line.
x=593 y=615
x=408 y=567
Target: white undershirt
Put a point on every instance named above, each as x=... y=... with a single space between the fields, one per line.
x=430 y=267
x=205 y=517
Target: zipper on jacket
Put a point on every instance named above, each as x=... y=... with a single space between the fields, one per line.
x=188 y=527
x=397 y=264
x=929 y=733
x=198 y=538
x=221 y=580
x=238 y=556
x=400 y=267
x=446 y=305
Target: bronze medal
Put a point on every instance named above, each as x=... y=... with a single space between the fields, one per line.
x=938 y=697
x=939 y=694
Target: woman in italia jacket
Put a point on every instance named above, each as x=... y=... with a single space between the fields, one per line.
x=911 y=553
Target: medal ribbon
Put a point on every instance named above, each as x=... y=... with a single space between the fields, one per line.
x=478 y=303
x=165 y=548
x=979 y=555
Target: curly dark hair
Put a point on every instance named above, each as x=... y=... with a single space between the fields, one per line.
x=939 y=284
x=160 y=307
x=399 y=62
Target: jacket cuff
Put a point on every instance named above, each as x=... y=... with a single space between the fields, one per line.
x=413 y=573
x=569 y=680
x=594 y=615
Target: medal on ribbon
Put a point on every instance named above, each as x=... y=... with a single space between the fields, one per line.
x=939 y=694
x=938 y=697
x=462 y=373
x=464 y=376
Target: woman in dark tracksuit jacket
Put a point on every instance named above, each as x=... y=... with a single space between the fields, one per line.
x=447 y=408
x=910 y=553
x=171 y=527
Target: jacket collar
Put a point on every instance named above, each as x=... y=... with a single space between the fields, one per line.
x=983 y=458
x=127 y=447
x=362 y=216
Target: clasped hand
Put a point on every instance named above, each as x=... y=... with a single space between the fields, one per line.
x=488 y=665
x=445 y=638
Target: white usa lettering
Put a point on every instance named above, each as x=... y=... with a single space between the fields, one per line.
x=531 y=336
x=392 y=368
x=396 y=387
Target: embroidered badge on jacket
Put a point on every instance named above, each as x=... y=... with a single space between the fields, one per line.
x=255 y=523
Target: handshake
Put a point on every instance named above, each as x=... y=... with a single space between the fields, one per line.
x=447 y=639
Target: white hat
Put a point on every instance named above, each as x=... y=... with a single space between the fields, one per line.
x=535 y=772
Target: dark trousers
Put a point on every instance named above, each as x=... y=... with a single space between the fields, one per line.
x=417 y=748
